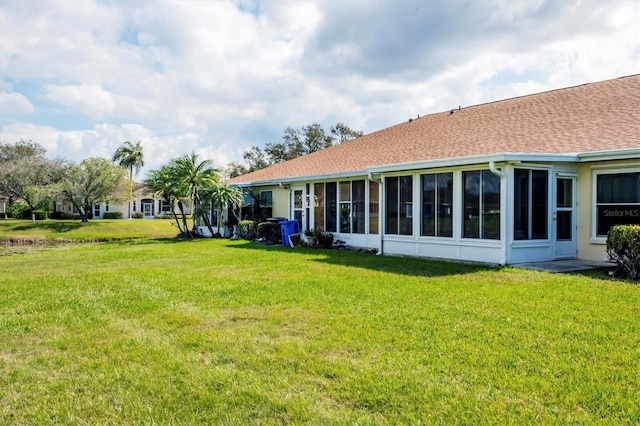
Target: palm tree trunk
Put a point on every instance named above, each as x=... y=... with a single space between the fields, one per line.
x=184 y=219
x=175 y=217
x=207 y=222
x=130 y=189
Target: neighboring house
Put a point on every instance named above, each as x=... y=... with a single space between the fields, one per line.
x=532 y=178
x=144 y=200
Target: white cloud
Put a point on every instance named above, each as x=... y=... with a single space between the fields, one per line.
x=14 y=104
x=87 y=99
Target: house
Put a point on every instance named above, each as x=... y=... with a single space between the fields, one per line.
x=532 y=178
x=144 y=201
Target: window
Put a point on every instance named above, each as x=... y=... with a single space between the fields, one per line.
x=345 y=207
x=340 y=206
x=164 y=206
x=530 y=204
x=617 y=200
x=318 y=206
x=266 y=204
x=437 y=205
x=481 y=201
x=96 y=210
x=374 y=207
x=399 y=205
x=214 y=217
x=352 y=207
x=331 y=212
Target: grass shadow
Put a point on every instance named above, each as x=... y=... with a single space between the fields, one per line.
x=56 y=227
x=410 y=266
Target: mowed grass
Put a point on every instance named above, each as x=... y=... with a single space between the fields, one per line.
x=94 y=230
x=232 y=332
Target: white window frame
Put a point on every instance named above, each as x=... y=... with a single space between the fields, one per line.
x=594 y=197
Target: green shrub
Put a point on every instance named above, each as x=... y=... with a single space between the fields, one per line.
x=19 y=211
x=269 y=230
x=40 y=214
x=64 y=216
x=164 y=216
x=324 y=239
x=112 y=215
x=623 y=248
x=137 y=215
x=248 y=229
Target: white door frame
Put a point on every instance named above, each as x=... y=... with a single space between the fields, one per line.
x=564 y=246
x=298 y=207
x=147 y=207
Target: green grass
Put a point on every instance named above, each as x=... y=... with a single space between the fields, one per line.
x=95 y=230
x=231 y=332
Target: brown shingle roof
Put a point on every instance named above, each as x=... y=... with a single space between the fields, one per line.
x=591 y=117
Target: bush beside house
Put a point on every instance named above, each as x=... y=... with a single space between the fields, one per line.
x=623 y=248
x=112 y=215
x=248 y=229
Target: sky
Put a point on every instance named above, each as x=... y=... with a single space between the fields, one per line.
x=217 y=77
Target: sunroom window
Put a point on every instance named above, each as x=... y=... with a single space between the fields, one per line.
x=530 y=204
x=437 y=205
x=399 y=205
x=481 y=200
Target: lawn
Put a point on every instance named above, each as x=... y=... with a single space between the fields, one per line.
x=94 y=230
x=233 y=332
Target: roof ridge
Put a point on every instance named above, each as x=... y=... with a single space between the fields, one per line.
x=559 y=89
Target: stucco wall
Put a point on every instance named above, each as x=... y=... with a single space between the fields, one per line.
x=280 y=201
x=589 y=246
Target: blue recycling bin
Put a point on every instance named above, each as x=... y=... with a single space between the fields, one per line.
x=289 y=227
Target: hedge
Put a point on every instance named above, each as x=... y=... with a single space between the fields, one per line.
x=112 y=215
x=248 y=229
x=269 y=231
x=623 y=248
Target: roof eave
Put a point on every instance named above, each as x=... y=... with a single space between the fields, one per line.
x=473 y=160
x=612 y=154
x=303 y=178
x=615 y=154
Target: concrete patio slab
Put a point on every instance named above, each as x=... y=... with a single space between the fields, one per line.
x=568 y=265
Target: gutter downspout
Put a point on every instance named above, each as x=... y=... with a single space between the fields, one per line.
x=503 y=177
x=380 y=183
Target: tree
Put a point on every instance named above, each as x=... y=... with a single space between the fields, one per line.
x=163 y=181
x=193 y=176
x=343 y=133
x=255 y=159
x=234 y=169
x=224 y=196
x=130 y=156
x=93 y=181
x=25 y=173
x=297 y=142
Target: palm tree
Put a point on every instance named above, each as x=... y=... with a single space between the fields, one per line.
x=163 y=182
x=130 y=156
x=224 y=196
x=194 y=177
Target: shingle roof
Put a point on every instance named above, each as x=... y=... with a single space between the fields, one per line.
x=591 y=117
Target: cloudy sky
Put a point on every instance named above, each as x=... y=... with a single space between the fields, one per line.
x=216 y=77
